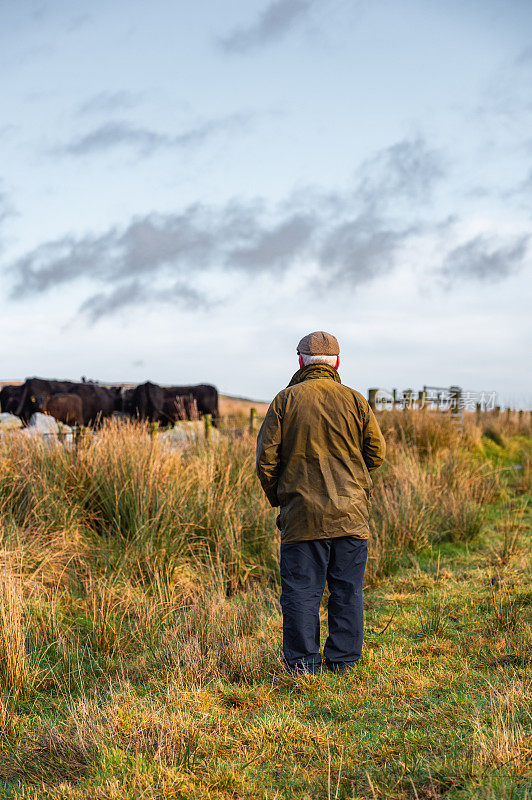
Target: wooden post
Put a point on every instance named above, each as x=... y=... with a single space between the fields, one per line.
x=421 y=399
x=394 y=401
x=508 y=414
x=372 y=398
x=521 y=415
x=497 y=411
x=207 y=419
x=252 y=419
x=456 y=394
x=154 y=427
x=455 y=406
x=478 y=411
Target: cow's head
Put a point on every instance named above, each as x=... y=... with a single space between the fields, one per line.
x=36 y=402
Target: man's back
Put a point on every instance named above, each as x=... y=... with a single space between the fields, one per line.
x=315 y=449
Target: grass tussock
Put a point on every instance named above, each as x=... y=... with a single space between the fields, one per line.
x=19 y=674
x=140 y=627
x=48 y=759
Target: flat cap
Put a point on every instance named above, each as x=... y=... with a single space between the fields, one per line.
x=319 y=343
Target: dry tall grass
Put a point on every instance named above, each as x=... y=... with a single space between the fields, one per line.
x=179 y=524
x=126 y=564
x=140 y=541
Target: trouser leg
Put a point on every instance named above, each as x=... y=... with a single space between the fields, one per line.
x=345 y=576
x=303 y=575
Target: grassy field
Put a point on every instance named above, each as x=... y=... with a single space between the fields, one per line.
x=239 y=406
x=140 y=628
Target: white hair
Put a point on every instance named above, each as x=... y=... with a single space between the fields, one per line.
x=330 y=360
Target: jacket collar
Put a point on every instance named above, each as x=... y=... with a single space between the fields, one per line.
x=314 y=371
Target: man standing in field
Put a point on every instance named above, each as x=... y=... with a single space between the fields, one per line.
x=316 y=448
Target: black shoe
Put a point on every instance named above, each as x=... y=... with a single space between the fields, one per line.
x=339 y=666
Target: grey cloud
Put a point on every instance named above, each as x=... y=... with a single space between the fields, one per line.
x=145 y=141
x=110 y=102
x=277 y=19
x=349 y=237
x=407 y=170
x=525 y=56
x=114 y=134
x=193 y=237
x=61 y=261
x=38 y=52
x=361 y=249
x=521 y=191
x=40 y=11
x=170 y=252
x=507 y=95
x=483 y=259
x=78 y=21
x=194 y=241
x=278 y=247
x=135 y=293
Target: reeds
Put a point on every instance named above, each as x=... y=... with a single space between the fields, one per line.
x=140 y=628
x=126 y=544
x=152 y=515
x=18 y=673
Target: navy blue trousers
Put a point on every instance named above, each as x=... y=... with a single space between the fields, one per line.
x=305 y=568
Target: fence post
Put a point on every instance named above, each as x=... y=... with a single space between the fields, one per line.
x=421 y=399
x=394 y=401
x=154 y=426
x=252 y=419
x=207 y=420
x=521 y=415
x=456 y=404
x=478 y=410
x=508 y=413
x=372 y=398
x=497 y=411
x=456 y=394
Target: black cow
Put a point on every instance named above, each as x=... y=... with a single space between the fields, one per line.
x=147 y=401
x=34 y=394
x=97 y=402
x=161 y=403
x=9 y=398
x=126 y=401
x=205 y=395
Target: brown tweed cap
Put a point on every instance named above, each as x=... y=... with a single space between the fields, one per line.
x=319 y=343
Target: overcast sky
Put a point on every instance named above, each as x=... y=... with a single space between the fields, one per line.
x=186 y=189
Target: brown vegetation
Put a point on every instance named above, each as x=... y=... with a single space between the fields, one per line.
x=140 y=628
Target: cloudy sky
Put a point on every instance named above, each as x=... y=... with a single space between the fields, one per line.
x=188 y=188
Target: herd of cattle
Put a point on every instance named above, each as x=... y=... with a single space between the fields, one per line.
x=88 y=403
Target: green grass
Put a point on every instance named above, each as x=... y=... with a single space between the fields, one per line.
x=140 y=630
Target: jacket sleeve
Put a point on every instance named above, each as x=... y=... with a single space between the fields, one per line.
x=374 y=446
x=269 y=452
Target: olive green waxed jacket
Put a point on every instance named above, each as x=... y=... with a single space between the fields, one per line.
x=315 y=450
